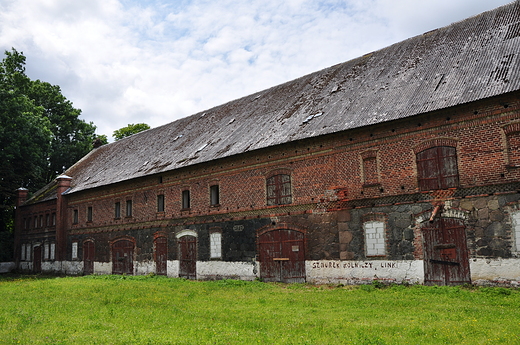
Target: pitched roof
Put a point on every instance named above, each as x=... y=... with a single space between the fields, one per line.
x=466 y=61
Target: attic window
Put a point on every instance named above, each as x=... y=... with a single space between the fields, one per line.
x=178 y=137
x=231 y=121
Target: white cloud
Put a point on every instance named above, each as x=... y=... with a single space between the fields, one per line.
x=154 y=61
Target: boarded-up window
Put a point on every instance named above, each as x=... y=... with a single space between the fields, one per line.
x=370 y=170
x=515 y=217
x=513 y=148
x=374 y=238
x=215 y=245
x=186 y=199
x=437 y=168
x=279 y=190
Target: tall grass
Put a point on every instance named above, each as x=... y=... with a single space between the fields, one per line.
x=159 y=310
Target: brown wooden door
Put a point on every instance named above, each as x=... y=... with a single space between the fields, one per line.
x=282 y=256
x=88 y=257
x=188 y=257
x=37 y=259
x=123 y=257
x=446 y=259
x=161 y=255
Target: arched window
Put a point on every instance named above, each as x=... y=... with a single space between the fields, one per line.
x=437 y=168
x=279 y=190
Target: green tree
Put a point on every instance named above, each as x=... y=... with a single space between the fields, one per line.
x=24 y=141
x=129 y=130
x=40 y=135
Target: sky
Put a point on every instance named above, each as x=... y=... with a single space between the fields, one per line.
x=155 y=61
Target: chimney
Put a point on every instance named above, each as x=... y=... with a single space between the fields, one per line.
x=64 y=183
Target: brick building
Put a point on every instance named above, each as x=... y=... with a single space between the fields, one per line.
x=401 y=165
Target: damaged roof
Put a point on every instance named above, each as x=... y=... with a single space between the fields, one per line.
x=464 y=62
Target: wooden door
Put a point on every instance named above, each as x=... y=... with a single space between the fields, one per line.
x=123 y=257
x=282 y=256
x=161 y=255
x=88 y=257
x=37 y=259
x=446 y=260
x=188 y=257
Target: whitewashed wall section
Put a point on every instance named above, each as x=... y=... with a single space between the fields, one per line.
x=359 y=272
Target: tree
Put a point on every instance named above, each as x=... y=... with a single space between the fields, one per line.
x=40 y=135
x=129 y=130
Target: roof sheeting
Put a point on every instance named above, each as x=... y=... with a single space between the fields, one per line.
x=466 y=61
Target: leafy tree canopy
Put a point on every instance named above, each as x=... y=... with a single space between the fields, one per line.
x=129 y=130
x=40 y=133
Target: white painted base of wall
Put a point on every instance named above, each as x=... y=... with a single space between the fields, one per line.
x=210 y=270
x=362 y=272
x=6 y=267
x=495 y=271
x=490 y=272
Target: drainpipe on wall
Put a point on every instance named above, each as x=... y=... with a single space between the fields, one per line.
x=21 y=197
x=64 y=182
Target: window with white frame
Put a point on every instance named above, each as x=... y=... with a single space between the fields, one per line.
x=74 y=250
x=516 y=229
x=215 y=245
x=375 y=238
x=46 y=251
x=53 y=251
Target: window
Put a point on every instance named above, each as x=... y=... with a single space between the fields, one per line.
x=47 y=219
x=374 y=238
x=28 y=252
x=185 y=199
x=46 y=251
x=117 y=210
x=129 y=208
x=160 y=203
x=22 y=253
x=75 y=217
x=41 y=221
x=437 y=168
x=214 y=195
x=53 y=251
x=53 y=219
x=89 y=214
x=215 y=245
x=516 y=230
x=35 y=222
x=279 y=190
x=512 y=131
x=74 y=250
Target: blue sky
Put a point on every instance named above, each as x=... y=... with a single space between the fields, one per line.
x=129 y=61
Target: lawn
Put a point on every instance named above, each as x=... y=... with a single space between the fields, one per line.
x=159 y=310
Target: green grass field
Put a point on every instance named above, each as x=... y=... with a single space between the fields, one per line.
x=159 y=310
